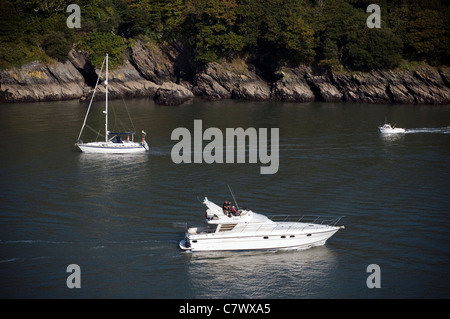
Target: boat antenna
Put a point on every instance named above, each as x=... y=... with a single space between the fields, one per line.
x=106 y=101
x=232 y=194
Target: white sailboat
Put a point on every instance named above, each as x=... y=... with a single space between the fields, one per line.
x=113 y=142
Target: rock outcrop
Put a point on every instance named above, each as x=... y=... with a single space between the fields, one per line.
x=153 y=65
x=39 y=82
x=170 y=93
x=166 y=75
x=291 y=85
x=237 y=80
x=426 y=85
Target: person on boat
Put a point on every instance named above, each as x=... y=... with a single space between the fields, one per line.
x=234 y=211
x=226 y=207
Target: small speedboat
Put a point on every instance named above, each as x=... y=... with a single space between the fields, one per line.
x=243 y=229
x=388 y=129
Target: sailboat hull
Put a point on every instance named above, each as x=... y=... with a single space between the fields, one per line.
x=111 y=148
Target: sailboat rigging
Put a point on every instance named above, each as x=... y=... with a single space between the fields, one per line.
x=113 y=140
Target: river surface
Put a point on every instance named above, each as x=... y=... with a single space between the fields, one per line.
x=120 y=218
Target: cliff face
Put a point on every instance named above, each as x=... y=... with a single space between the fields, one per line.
x=238 y=80
x=167 y=76
x=143 y=74
x=426 y=85
x=39 y=82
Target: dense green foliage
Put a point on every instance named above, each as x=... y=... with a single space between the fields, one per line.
x=329 y=33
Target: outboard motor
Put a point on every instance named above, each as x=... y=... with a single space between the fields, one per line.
x=187 y=243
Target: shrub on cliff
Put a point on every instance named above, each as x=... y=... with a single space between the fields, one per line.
x=343 y=39
x=429 y=35
x=99 y=43
x=376 y=49
x=56 y=45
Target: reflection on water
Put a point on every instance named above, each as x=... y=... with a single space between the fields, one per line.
x=259 y=274
x=115 y=174
x=389 y=138
x=117 y=166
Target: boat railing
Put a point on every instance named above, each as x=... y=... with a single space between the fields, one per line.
x=305 y=220
x=311 y=219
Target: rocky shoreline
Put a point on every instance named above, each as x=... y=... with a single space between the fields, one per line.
x=169 y=77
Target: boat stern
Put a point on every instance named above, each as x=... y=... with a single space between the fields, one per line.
x=185 y=244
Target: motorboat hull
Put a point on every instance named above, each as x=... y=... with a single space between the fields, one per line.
x=281 y=241
x=111 y=148
x=391 y=130
x=388 y=129
x=246 y=230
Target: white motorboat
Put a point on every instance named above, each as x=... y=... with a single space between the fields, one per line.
x=247 y=230
x=388 y=129
x=114 y=142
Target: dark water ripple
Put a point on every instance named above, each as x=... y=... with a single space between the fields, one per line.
x=120 y=217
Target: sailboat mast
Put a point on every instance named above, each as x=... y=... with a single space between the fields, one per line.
x=90 y=103
x=106 y=109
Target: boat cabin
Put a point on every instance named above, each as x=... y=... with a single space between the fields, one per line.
x=217 y=215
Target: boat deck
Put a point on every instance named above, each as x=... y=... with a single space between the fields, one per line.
x=281 y=223
x=307 y=219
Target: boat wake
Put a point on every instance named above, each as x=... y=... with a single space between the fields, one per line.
x=48 y=249
x=439 y=130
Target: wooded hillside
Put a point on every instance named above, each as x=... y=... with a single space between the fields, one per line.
x=328 y=33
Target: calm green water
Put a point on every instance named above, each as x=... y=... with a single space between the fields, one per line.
x=120 y=217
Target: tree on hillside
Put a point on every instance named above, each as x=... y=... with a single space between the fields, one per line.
x=428 y=35
x=214 y=26
x=343 y=39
